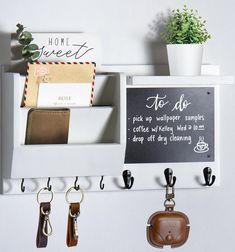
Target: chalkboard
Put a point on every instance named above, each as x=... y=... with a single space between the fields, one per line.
x=170 y=125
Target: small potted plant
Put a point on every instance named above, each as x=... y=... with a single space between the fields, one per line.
x=185 y=34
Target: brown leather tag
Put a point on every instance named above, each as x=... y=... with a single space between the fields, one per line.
x=74 y=210
x=41 y=241
x=168 y=228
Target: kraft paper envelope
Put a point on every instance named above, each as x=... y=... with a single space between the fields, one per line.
x=60 y=72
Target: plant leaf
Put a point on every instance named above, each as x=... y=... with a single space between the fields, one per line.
x=35 y=56
x=33 y=47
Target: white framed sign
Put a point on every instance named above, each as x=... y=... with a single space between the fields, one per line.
x=68 y=47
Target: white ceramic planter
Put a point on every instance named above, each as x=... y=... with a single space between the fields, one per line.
x=185 y=59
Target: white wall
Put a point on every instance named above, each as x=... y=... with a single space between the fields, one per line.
x=117 y=221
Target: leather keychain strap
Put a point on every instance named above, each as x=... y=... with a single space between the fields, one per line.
x=72 y=237
x=45 y=207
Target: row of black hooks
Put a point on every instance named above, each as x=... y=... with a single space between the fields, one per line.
x=48 y=186
x=207 y=173
x=128 y=179
x=170 y=179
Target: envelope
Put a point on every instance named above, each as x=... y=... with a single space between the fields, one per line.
x=56 y=72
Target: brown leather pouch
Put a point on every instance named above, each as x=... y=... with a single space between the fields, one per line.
x=47 y=126
x=168 y=227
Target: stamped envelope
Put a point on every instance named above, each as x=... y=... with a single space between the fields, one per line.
x=77 y=73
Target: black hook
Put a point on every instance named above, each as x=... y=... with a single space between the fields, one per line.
x=101 y=183
x=207 y=172
x=169 y=177
x=22 y=185
x=128 y=179
x=48 y=184
x=76 y=187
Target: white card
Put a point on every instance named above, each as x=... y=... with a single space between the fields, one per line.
x=64 y=94
x=68 y=47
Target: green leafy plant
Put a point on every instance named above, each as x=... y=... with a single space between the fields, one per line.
x=29 y=50
x=185 y=27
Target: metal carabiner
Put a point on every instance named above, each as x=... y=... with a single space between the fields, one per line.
x=46 y=227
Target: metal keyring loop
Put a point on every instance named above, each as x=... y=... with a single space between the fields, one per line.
x=170 y=201
x=73 y=188
x=44 y=189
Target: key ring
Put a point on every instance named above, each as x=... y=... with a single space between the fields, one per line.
x=73 y=188
x=44 y=189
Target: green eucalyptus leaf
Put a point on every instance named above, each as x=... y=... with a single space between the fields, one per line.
x=25 y=50
x=26 y=35
x=25 y=38
x=35 y=56
x=27 y=54
x=33 y=47
x=24 y=41
x=19 y=30
x=20 y=26
x=29 y=51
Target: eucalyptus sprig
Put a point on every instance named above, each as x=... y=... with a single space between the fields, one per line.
x=185 y=27
x=29 y=50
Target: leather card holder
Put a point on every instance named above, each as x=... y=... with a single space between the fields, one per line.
x=47 y=126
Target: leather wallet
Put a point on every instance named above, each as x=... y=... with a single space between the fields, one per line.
x=47 y=126
x=168 y=227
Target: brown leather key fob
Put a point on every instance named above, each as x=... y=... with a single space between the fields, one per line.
x=168 y=227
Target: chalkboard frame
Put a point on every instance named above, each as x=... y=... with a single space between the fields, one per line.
x=135 y=151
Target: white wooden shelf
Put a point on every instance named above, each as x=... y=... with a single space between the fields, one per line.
x=96 y=144
x=180 y=80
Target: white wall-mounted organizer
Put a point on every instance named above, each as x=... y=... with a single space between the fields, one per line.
x=96 y=142
x=100 y=147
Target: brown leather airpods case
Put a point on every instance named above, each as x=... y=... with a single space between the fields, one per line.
x=168 y=227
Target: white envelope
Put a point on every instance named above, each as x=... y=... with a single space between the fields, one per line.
x=64 y=95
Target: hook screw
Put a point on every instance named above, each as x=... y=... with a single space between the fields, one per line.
x=22 y=185
x=209 y=178
x=76 y=187
x=128 y=179
x=101 y=183
x=170 y=179
x=48 y=184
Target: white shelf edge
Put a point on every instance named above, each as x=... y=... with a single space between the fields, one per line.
x=180 y=80
x=67 y=146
